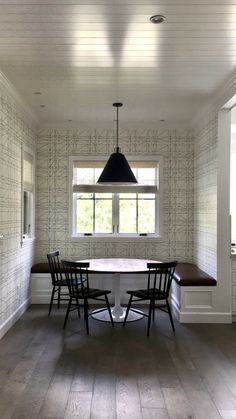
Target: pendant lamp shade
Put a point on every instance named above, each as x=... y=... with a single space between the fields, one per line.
x=117 y=169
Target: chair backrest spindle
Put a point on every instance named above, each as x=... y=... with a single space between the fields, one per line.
x=160 y=276
x=55 y=266
x=76 y=276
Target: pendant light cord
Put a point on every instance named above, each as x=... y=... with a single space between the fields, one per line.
x=117 y=105
x=117 y=127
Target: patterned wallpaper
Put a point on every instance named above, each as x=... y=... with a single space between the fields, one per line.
x=15 y=261
x=205 y=197
x=54 y=146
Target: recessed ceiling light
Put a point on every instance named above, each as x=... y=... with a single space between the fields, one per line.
x=157 y=18
x=37 y=93
x=42 y=106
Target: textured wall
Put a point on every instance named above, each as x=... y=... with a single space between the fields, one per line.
x=205 y=196
x=52 y=226
x=15 y=261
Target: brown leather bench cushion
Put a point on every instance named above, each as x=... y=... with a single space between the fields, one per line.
x=189 y=275
x=186 y=274
x=40 y=268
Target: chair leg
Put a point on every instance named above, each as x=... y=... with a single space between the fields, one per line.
x=86 y=315
x=67 y=312
x=153 y=312
x=51 y=301
x=109 y=310
x=149 y=316
x=59 y=297
x=170 y=315
x=127 y=310
x=78 y=308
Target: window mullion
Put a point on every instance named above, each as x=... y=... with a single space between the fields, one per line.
x=74 y=209
x=136 y=213
x=94 y=213
x=115 y=213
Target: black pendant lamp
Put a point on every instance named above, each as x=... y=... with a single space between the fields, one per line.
x=117 y=169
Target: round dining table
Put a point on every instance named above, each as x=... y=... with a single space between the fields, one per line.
x=117 y=267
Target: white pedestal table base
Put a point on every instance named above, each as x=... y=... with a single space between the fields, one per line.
x=118 y=312
x=118 y=315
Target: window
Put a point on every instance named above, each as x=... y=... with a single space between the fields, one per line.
x=27 y=195
x=115 y=210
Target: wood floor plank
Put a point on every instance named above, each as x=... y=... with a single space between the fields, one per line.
x=79 y=405
x=148 y=382
x=166 y=371
x=17 y=380
x=185 y=368
x=84 y=373
x=56 y=398
x=103 y=404
x=228 y=414
x=116 y=373
x=150 y=413
x=35 y=391
x=129 y=369
x=177 y=404
x=202 y=405
x=215 y=384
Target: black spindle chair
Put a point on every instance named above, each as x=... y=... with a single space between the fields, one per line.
x=59 y=284
x=159 y=280
x=79 y=290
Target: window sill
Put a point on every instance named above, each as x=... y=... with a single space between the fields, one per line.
x=116 y=238
x=27 y=240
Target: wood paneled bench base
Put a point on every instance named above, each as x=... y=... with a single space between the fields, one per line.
x=192 y=295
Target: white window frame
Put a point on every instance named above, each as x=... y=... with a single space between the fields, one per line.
x=116 y=235
x=30 y=189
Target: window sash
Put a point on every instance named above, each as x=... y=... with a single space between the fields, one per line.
x=86 y=164
x=28 y=179
x=115 y=190
x=115 y=214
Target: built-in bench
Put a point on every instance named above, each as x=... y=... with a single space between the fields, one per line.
x=192 y=294
x=40 y=268
x=186 y=274
x=189 y=275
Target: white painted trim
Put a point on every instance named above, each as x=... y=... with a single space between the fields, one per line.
x=191 y=291
x=109 y=125
x=32 y=218
x=42 y=297
x=12 y=91
x=13 y=318
x=220 y=99
x=205 y=317
x=159 y=199
x=198 y=317
x=224 y=292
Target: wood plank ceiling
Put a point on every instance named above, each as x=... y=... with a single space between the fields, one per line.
x=82 y=57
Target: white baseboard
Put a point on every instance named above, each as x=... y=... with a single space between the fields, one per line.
x=199 y=317
x=42 y=297
x=13 y=318
x=205 y=318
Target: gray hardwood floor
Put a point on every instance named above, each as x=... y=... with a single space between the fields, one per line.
x=118 y=372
